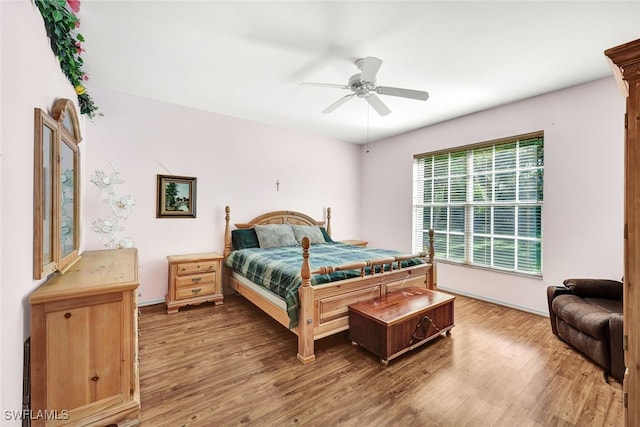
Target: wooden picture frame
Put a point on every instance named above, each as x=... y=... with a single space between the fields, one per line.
x=176 y=196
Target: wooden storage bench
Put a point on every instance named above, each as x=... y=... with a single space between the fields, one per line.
x=400 y=321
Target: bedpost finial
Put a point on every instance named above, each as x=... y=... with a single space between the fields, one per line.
x=227 y=232
x=432 y=251
x=305 y=272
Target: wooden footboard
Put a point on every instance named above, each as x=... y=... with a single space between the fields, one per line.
x=324 y=308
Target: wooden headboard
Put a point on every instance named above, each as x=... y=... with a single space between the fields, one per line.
x=276 y=217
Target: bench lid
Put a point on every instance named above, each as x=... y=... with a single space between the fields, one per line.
x=397 y=306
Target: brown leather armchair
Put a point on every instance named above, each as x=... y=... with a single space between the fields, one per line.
x=587 y=314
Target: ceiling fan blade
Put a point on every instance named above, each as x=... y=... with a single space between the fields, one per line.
x=338 y=103
x=404 y=93
x=377 y=104
x=369 y=66
x=324 y=85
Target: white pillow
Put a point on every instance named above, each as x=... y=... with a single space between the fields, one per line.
x=275 y=235
x=313 y=232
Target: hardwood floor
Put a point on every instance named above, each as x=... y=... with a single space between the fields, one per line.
x=231 y=365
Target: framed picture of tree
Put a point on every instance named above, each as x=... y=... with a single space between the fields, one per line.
x=176 y=197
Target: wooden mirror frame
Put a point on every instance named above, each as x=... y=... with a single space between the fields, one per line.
x=56 y=212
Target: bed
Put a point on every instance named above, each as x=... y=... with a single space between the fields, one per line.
x=320 y=290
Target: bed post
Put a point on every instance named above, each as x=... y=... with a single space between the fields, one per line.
x=226 y=272
x=329 y=221
x=432 y=278
x=227 y=232
x=305 y=318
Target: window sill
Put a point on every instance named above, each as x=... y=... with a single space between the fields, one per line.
x=493 y=270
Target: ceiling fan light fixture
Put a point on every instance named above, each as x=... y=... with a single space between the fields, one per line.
x=363 y=85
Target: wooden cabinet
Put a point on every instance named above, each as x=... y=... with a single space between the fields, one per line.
x=84 y=343
x=626 y=58
x=194 y=279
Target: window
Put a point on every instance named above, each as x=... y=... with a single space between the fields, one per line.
x=484 y=204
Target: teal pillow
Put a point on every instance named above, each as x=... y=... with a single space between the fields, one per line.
x=244 y=238
x=327 y=238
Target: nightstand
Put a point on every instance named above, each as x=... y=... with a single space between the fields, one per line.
x=362 y=243
x=194 y=279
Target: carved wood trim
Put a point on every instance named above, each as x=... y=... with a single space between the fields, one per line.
x=63 y=108
x=282 y=217
x=627 y=58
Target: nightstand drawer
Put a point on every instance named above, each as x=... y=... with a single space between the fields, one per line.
x=195 y=280
x=204 y=289
x=197 y=267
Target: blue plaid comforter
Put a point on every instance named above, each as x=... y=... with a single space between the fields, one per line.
x=278 y=269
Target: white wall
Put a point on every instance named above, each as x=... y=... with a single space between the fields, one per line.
x=583 y=188
x=236 y=163
x=30 y=77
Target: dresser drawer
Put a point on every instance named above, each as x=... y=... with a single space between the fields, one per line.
x=197 y=267
x=193 y=291
x=195 y=280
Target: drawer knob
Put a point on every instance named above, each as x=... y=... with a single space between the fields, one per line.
x=196 y=279
x=195 y=291
x=67 y=315
x=95 y=378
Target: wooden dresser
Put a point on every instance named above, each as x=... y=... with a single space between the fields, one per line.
x=84 y=343
x=194 y=279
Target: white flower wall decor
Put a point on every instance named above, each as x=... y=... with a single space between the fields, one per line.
x=109 y=227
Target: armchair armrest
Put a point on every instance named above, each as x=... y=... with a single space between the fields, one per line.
x=616 y=346
x=595 y=288
x=552 y=292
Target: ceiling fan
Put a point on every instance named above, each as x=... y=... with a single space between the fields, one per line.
x=363 y=85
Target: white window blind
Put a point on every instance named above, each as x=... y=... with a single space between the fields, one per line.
x=484 y=204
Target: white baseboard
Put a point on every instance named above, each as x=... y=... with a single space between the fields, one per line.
x=494 y=301
x=152 y=302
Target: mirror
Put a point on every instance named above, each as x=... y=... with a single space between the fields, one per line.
x=68 y=196
x=56 y=241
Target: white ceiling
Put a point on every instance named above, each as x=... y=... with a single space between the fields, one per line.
x=246 y=59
